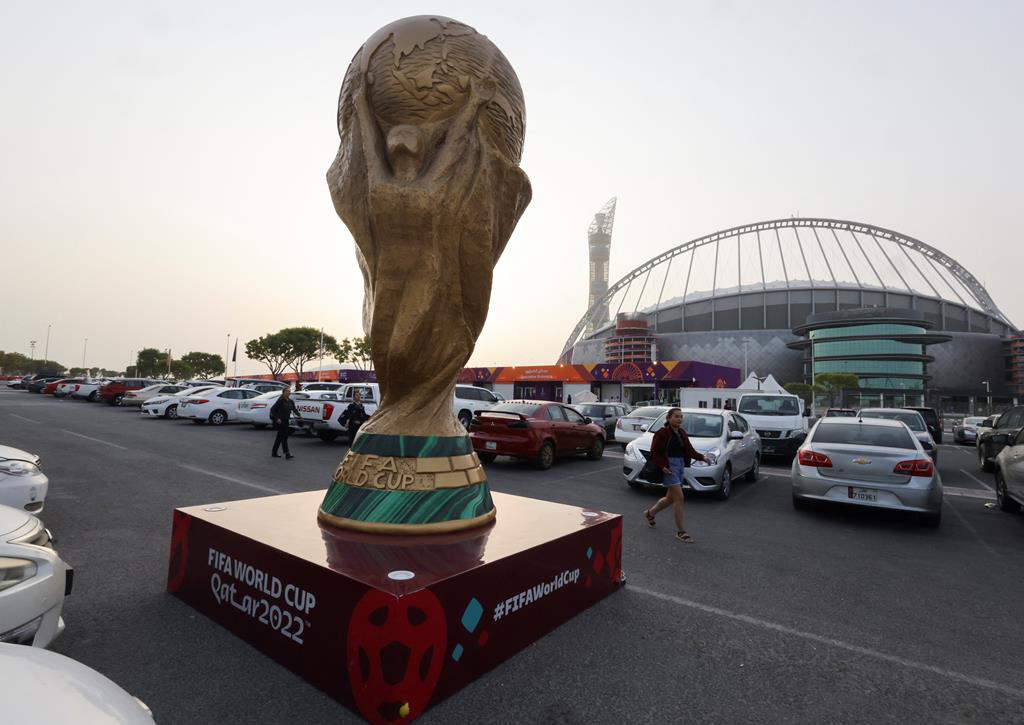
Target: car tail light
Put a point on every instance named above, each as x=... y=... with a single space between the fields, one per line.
x=920 y=467
x=811 y=458
x=328 y=411
x=618 y=424
x=198 y=401
x=77 y=387
x=259 y=405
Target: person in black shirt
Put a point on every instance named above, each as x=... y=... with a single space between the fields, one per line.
x=356 y=415
x=280 y=414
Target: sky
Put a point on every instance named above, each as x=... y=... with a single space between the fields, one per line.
x=163 y=185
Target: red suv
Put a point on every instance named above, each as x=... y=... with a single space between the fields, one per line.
x=534 y=429
x=113 y=392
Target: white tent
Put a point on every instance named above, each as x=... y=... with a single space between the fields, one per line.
x=768 y=385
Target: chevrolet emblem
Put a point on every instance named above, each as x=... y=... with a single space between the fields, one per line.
x=861 y=461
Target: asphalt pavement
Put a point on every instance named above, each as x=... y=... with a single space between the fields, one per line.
x=773 y=616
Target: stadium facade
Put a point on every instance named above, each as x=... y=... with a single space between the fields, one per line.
x=789 y=296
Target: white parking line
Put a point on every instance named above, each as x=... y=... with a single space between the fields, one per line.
x=968 y=493
x=956 y=448
x=974 y=531
x=837 y=643
x=239 y=481
x=90 y=438
x=21 y=417
x=977 y=480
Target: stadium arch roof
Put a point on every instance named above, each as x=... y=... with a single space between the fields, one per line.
x=790 y=254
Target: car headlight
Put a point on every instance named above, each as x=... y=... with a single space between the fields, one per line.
x=631 y=450
x=712 y=455
x=794 y=433
x=15 y=571
x=18 y=468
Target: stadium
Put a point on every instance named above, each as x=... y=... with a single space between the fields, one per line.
x=799 y=296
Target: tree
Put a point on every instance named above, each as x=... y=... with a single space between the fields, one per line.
x=272 y=350
x=834 y=385
x=78 y=372
x=181 y=370
x=94 y=372
x=203 y=364
x=362 y=353
x=804 y=390
x=304 y=345
x=150 y=362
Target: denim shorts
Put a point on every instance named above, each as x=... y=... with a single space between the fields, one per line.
x=678 y=468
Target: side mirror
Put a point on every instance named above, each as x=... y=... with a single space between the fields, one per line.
x=587 y=420
x=735 y=435
x=643 y=428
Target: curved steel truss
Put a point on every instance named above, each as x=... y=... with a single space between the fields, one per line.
x=933 y=267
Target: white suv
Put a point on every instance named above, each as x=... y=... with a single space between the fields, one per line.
x=469 y=399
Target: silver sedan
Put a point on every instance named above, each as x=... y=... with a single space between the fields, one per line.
x=867 y=462
x=731 y=446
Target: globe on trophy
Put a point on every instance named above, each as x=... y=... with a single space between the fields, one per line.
x=427 y=179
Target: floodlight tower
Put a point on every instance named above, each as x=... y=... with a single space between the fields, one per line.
x=599 y=240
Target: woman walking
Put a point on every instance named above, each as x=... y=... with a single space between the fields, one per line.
x=356 y=415
x=280 y=413
x=672 y=453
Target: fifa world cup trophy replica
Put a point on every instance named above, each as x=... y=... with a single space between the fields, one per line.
x=427 y=179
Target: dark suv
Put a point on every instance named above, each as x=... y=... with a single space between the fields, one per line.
x=992 y=441
x=933 y=421
x=605 y=415
x=113 y=392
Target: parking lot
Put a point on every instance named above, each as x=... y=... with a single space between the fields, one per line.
x=773 y=616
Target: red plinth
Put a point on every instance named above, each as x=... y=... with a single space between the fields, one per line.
x=390 y=625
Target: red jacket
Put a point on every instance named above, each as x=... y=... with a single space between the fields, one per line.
x=659 y=447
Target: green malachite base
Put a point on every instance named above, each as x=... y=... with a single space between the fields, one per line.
x=384 y=510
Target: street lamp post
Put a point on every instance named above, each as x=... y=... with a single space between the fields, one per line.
x=46 y=353
x=85 y=346
x=746 y=372
x=32 y=349
x=988 y=394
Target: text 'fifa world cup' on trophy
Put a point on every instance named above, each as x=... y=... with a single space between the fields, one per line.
x=427 y=179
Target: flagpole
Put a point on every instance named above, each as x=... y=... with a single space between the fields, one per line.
x=234 y=359
x=227 y=351
x=321 y=366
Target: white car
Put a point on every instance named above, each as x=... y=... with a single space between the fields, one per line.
x=23 y=484
x=469 y=400
x=67 y=387
x=138 y=397
x=257 y=410
x=33 y=584
x=216 y=406
x=88 y=389
x=46 y=687
x=310 y=404
x=166 y=406
x=637 y=422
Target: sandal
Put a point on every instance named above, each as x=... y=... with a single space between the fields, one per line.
x=650 y=518
x=685 y=537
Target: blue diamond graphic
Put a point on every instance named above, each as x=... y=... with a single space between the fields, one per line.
x=471 y=617
x=590 y=552
x=457 y=652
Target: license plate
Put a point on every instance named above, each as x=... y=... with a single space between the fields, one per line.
x=636 y=427
x=862 y=494
x=491 y=445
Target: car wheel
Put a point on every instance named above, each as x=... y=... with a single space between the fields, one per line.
x=596 y=449
x=932 y=521
x=327 y=435
x=754 y=473
x=800 y=504
x=634 y=485
x=259 y=426
x=1005 y=502
x=546 y=456
x=218 y=417
x=486 y=457
x=983 y=462
x=725 y=490
x=118 y=400
x=171 y=412
x=92 y=397
x=465 y=417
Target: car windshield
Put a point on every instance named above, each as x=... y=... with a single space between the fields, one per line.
x=597 y=410
x=696 y=425
x=928 y=414
x=769 y=405
x=527 y=409
x=973 y=421
x=912 y=419
x=864 y=434
x=650 y=412
x=839 y=413
x=192 y=391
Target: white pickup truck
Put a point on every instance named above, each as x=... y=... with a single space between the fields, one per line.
x=325 y=417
